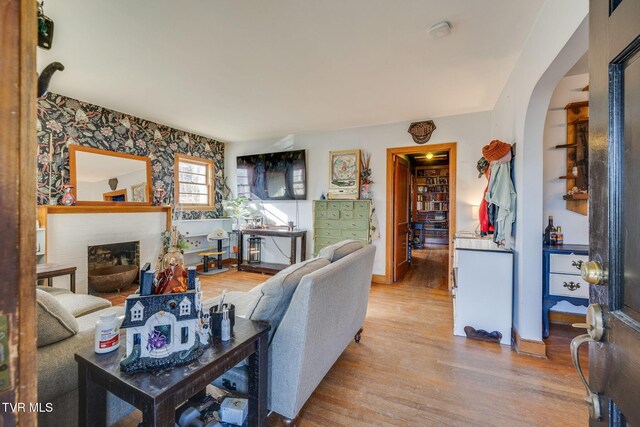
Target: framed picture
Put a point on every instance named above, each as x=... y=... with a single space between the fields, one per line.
x=344 y=170
x=139 y=192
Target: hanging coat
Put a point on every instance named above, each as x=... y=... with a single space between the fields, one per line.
x=502 y=194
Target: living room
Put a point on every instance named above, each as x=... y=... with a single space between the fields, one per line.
x=301 y=213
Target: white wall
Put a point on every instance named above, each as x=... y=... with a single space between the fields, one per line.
x=470 y=131
x=557 y=41
x=575 y=227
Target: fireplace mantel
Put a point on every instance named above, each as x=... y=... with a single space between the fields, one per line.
x=43 y=211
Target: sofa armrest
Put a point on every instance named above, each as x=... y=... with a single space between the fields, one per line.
x=57 y=367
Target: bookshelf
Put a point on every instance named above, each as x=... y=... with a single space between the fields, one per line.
x=431 y=203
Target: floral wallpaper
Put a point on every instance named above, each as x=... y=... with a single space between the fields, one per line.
x=65 y=121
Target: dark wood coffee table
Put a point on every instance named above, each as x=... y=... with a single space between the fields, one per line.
x=157 y=394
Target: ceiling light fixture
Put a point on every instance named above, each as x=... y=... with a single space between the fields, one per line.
x=440 y=29
x=429 y=156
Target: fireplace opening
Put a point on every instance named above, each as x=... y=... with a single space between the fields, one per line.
x=113 y=266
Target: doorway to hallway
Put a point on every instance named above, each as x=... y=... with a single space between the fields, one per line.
x=421 y=184
x=429 y=219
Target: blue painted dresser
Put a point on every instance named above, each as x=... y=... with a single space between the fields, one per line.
x=561 y=278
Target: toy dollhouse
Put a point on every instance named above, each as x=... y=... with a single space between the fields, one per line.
x=164 y=329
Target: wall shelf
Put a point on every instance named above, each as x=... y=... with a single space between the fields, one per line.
x=578 y=156
x=567 y=146
x=580 y=196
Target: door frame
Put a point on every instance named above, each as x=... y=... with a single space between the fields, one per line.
x=451 y=148
x=18 y=151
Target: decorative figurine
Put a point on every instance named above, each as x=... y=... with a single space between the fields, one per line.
x=68 y=199
x=165 y=325
x=158 y=196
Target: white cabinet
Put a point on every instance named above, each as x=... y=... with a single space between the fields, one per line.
x=483 y=293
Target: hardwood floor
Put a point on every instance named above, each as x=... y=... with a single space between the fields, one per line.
x=429 y=266
x=409 y=370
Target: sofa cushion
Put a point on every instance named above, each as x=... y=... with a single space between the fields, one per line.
x=274 y=295
x=55 y=323
x=82 y=304
x=77 y=304
x=54 y=291
x=340 y=250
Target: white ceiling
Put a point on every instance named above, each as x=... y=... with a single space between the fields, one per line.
x=241 y=70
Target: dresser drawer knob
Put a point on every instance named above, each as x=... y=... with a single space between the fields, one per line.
x=577 y=264
x=572 y=286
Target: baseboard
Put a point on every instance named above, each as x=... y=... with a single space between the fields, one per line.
x=527 y=347
x=559 y=318
x=380 y=279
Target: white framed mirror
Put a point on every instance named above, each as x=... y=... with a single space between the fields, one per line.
x=108 y=177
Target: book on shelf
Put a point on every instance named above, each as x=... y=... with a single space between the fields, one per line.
x=432 y=206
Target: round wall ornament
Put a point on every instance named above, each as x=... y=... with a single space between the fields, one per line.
x=421 y=131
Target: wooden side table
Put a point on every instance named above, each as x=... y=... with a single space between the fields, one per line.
x=49 y=271
x=157 y=394
x=270 y=267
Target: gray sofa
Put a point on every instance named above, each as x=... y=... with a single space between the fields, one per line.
x=315 y=309
x=66 y=324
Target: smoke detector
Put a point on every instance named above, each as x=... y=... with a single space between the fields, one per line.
x=440 y=29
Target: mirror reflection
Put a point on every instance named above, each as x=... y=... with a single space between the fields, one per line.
x=107 y=176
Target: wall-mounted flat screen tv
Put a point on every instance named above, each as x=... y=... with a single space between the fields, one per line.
x=273 y=176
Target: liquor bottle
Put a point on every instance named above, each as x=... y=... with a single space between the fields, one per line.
x=548 y=231
x=559 y=237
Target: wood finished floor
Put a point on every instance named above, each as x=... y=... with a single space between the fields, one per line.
x=409 y=370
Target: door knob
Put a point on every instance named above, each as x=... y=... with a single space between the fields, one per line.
x=592 y=272
x=595 y=329
x=594 y=324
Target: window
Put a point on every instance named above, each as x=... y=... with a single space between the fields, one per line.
x=193 y=181
x=185 y=307
x=137 y=312
x=184 y=335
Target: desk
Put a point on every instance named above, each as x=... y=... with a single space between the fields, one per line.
x=49 y=271
x=267 y=267
x=157 y=394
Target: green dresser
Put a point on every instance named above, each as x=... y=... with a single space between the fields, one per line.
x=337 y=220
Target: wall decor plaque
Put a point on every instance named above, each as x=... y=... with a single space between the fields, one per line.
x=421 y=131
x=344 y=174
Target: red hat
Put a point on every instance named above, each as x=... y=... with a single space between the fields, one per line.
x=495 y=150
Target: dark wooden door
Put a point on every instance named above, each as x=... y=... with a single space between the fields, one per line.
x=401 y=185
x=614 y=364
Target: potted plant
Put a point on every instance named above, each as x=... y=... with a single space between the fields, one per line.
x=237 y=209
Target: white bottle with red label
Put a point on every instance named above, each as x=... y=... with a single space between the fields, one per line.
x=107 y=333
